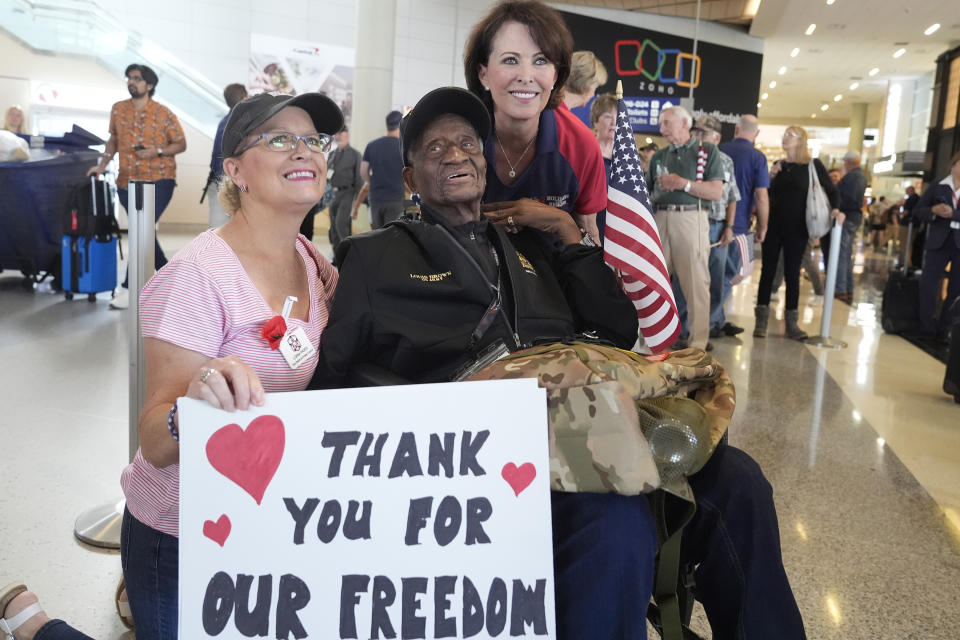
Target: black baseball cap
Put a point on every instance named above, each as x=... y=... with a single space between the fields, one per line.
x=440 y=102
x=249 y=114
x=651 y=146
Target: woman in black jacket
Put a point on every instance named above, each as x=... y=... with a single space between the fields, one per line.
x=787 y=230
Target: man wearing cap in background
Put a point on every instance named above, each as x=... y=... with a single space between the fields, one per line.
x=147 y=135
x=382 y=169
x=687 y=175
x=646 y=152
x=722 y=214
x=232 y=94
x=346 y=181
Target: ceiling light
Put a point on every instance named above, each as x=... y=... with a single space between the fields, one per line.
x=782 y=70
x=854 y=86
x=649 y=140
x=824 y=107
x=838 y=97
x=759 y=105
x=831 y=1
x=773 y=84
x=899 y=52
x=874 y=71
x=811 y=29
x=932 y=29
x=795 y=52
x=764 y=96
x=813 y=115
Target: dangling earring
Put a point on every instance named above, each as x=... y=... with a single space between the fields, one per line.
x=415 y=198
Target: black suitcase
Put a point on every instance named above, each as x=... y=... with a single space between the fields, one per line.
x=901 y=297
x=951 y=379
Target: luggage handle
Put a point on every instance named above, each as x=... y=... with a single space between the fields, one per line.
x=907 y=247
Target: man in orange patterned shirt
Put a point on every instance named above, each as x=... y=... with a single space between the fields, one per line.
x=148 y=136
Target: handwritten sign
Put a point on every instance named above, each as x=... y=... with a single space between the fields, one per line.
x=418 y=511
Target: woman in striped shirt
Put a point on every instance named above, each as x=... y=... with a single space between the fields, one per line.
x=204 y=314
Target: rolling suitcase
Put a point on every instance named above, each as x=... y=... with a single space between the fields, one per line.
x=89 y=243
x=901 y=297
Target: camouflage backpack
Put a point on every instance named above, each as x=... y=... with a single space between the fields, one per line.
x=603 y=403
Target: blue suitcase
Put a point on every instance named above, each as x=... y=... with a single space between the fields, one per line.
x=89 y=245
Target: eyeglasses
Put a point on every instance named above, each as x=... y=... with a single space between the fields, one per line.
x=282 y=141
x=791 y=134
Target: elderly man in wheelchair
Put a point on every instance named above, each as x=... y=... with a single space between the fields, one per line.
x=434 y=299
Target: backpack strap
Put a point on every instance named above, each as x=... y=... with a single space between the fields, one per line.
x=668 y=558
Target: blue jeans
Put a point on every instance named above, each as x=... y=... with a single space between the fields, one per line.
x=163 y=193
x=59 y=630
x=717 y=264
x=848 y=235
x=731 y=270
x=604 y=547
x=735 y=539
x=150 y=561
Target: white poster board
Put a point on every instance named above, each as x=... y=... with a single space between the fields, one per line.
x=417 y=511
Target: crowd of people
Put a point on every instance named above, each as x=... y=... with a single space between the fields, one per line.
x=503 y=172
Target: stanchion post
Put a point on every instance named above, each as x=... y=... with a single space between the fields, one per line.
x=100 y=526
x=824 y=340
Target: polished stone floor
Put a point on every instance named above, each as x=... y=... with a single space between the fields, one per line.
x=860 y=444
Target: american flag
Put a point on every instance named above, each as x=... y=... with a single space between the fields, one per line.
x=632 y=243
x=745 y=244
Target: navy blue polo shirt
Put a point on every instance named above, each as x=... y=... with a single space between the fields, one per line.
x=750 y=168
x=386 y=170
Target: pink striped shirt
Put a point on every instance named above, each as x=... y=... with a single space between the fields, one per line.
x=203 y=300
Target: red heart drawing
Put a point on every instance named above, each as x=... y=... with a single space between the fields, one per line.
x=251 y=457
x=519 y=478
x=217 y=531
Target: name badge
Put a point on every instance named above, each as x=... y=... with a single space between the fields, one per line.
x=296 y=347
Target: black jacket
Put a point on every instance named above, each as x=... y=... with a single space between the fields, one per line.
x=939 y=230
x=410 y=298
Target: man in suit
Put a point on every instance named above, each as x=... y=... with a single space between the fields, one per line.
x=940 y=209
x=346 y=181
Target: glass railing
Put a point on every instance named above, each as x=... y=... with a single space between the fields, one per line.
x=83 y=28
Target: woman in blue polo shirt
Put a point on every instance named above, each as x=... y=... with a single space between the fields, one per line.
x=517 y=60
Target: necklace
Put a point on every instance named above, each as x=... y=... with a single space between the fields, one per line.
x=513 y=169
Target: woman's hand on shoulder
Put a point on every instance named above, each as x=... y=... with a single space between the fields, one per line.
x=516 y=214
x=227 y=383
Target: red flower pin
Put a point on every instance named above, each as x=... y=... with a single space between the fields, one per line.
x=274 y=330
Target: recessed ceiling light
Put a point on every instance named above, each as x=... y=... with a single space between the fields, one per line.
x=874 y=71
x=838 y=97
x=811 y=29
x=824 y=107
x=759 y=105
x=773 y=84
x=932 y=29
x=831 y=1
x=854 y=86
x=899 y=52
x=764 y=96
x=813 y=115
x=649 y=140
x=795 y=52
x=782 y=70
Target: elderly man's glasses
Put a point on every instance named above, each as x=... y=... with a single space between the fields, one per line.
x=285 y=141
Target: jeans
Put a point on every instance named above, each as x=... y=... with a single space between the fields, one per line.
x=150 y=561
x=731 y=270
x=604 y=547
x=59 y=630
x=848 y=235
x=163 y=193
x=717 y=264
x=734 y=538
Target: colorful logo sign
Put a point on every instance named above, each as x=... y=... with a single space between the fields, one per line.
x=645 y=58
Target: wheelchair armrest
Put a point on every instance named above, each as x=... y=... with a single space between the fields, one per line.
x=371 y=375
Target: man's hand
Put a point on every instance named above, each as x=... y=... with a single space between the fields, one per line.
x=672 y=182
x=96 y=170
x=942 y=210
x=147 y=154
x=726 y=237
x=761 y=234
x=838 y=215
x=530 y=213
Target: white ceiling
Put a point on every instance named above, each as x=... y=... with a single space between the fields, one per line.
x=852 y=36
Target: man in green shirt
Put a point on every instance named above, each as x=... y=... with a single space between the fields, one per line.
x=686 y=175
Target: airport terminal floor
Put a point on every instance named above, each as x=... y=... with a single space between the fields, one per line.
x=860 y=444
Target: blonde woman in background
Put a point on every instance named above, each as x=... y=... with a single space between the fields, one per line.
x=587 y=74
x=13 y=120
